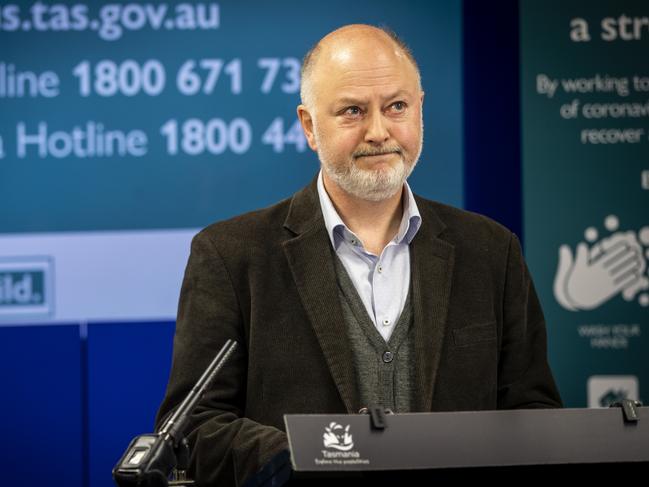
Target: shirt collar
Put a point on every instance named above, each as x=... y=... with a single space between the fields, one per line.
x=336 y=228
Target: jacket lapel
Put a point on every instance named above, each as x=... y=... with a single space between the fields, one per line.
x=431 y=264
x=309 y=258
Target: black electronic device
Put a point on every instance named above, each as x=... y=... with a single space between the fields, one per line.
x=151 y=459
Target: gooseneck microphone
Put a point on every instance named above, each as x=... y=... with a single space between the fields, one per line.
x=150 y=460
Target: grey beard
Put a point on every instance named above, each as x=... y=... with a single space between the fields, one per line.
x=367 y=184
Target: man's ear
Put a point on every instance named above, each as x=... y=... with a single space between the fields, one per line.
x=306 y=120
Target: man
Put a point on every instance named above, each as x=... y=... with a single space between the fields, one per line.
x=353 y=292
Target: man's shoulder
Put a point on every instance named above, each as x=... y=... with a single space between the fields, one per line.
x=253 y=226
x=463 y=226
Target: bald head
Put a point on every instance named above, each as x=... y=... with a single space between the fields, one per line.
x=345 y=47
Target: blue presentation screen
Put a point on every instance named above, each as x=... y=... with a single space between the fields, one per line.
x=126 y=127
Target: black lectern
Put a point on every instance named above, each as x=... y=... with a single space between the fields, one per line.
x=419 y=448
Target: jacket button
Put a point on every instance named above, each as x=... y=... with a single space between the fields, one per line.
x=387 y=357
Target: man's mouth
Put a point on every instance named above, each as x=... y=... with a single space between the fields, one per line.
x=376 y=154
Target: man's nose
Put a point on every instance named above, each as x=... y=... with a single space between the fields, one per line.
x=377 y=129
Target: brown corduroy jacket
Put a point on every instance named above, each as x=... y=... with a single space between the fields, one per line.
x=267 y=280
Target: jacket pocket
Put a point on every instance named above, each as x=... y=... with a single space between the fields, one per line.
x=468 y=335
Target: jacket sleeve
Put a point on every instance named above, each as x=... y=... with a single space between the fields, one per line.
x=226 y=447
x=524 y=376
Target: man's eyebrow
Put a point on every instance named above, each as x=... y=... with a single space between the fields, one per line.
x=350 y=100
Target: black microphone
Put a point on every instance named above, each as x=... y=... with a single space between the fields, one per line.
x=150 y=459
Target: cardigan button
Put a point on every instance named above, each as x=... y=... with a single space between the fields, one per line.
x=387 y=357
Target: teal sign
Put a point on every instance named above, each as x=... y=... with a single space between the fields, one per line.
x=585 y=117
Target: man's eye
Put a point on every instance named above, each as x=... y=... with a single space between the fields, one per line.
x=353 y=111
x=398 y=106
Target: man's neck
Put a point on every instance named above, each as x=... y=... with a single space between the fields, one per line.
x=375 y=222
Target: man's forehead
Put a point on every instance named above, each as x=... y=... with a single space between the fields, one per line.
x=363 y=66
x=364 y=51
x=367 y=78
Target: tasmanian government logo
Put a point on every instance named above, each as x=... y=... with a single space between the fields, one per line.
x=25 y=287
x=339 y=447
x=337 y=437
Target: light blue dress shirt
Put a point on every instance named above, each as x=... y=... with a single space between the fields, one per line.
x=382 y=281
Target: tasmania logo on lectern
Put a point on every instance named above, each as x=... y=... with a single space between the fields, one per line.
x=338 y=443
x=25 y=287
x=337 y=437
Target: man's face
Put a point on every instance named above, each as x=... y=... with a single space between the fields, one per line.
x=366 y=118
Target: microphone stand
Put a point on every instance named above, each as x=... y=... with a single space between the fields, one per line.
x=150 y=460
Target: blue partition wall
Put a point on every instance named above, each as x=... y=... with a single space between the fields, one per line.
x=41 y=371
x=127 y=370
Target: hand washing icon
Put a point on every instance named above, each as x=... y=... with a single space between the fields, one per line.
x=601 y=269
